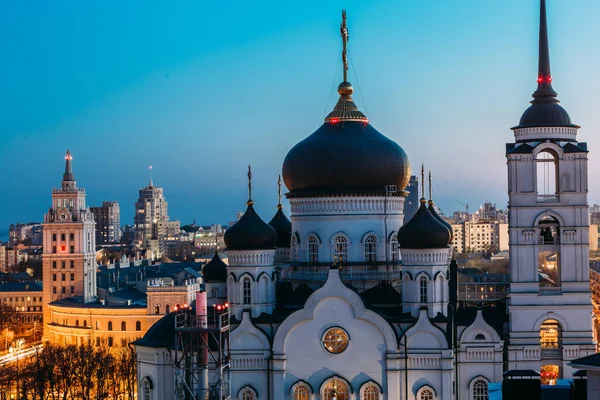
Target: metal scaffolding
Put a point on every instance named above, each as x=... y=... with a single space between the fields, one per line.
x=201 y=361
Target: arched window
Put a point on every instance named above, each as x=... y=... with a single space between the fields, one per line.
x=147 y=390
x=247 y=288
x=426 y=394
x=313 y=249
x=156 y=309
x=336 y=390
x=247 y=393
x=167 y=308
x=71 y=237
x=394 y=253
x=123 y=325
x=370 y=392
x=371 y=249
x=480 y=336
x=423 y=289
x=550 y=335
x=85 y=323
x=110 y=325
x=76 y=322
x=138 y=326
x=340 y=249
x=547 y=175
x=301 y=392
x=479 y=390
x=215 y=293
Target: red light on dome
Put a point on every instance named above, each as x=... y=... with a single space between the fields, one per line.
x=334 y=120
x=544 y=79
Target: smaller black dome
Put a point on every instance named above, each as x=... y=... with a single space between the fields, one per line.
x=548 y=113
x=423 y=231
x=215 y=270
x=283 y=228
x=250 y=233
x=431 y=209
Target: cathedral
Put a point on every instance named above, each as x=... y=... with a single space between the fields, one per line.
x=348 y=302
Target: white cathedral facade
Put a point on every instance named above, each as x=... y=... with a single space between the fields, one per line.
x=346 y=303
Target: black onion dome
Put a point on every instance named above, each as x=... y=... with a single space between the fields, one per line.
x=431 y=209
x=215 y=270
x=345 y=156
x=423 y=231
x=283 y=228
x=545 y=114
x=250 y=233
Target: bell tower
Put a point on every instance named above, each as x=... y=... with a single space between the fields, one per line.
x=549 y=304
x=69 y=248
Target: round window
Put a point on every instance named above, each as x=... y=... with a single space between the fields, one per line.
x=335 y=340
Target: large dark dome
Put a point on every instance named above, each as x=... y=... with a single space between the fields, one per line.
x=283 y=228
x=215 y=270
x=423 y=231
x=250 y=233
x=345 y=156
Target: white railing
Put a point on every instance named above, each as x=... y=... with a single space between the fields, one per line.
x=548 y=198
x=550 y=290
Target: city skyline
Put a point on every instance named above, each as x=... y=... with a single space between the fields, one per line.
x=174 y=86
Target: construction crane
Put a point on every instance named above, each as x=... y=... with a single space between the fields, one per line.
x=466 y=206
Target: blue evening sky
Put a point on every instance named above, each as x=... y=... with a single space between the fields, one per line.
x=201 y=89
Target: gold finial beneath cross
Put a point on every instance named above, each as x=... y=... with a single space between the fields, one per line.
x=344 y=33
x=249 y=202
x=279 y=206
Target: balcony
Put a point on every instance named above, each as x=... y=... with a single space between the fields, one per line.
x=318 y=273
x=551 y=353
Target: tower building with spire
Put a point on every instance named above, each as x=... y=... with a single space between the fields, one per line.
x=151 y=210
x=69 y=247
x=548 y=232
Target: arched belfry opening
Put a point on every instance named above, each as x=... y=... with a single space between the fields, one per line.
x=549 y=231
x=547 y=175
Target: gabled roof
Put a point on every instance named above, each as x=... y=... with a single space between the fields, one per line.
x=592 y=360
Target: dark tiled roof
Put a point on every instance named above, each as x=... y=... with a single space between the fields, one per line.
x=161 y=334
x=575 y=148
x=520 y=372
x=592 y=360
x=379 y=295
x=21 y=287
x=495 y=316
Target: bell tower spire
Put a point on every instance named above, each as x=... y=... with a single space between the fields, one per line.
x=68 y=182
x=544 y=91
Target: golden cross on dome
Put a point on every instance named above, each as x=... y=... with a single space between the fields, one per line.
x=250 y=202
x=344 y=33
x=279 y=206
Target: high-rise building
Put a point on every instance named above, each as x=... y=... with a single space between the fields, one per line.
x=150 y=209
x=411 y=204
x=108 y=222
x=69 y=248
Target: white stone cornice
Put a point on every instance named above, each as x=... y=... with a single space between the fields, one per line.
x=347 y=205
x=251 y=258
x=546 y=133
x=429 y=257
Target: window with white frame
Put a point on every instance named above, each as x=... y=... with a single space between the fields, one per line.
x=340 y=249
x=215 y=293
x=426 y=394
x=247 y=394
x=370 y=392
x=147 y=390
x=301 y=392
x=371 y=249
x=394 y=252
x=247 y=287
x=480 y=390
x=423 y=289
x=313 y=249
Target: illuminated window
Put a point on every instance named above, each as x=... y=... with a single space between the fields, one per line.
x=550 y=334
x=480 y=390
x=340 y=249
x=335 y=340
x=247 y=288
x=423 y=289
x=336 y=390
x=371 y=249
x=370 y=392
x=313 y=249
x=301 y=392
